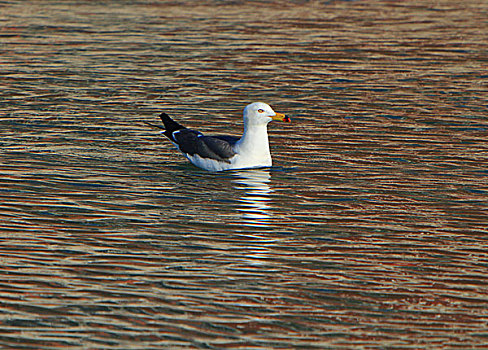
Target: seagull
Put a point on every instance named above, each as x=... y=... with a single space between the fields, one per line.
x=218 y=153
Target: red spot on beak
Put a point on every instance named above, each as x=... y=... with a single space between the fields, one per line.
x=287 y=119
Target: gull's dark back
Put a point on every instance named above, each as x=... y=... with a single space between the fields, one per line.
x=194 y=142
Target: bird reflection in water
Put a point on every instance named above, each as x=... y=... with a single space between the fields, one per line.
x=254 y=183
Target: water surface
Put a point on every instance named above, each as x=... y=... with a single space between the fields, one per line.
x=368 y=232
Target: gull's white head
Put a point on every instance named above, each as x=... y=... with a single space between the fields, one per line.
x=259 y=113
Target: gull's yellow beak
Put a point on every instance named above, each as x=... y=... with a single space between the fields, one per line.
x=281 y=117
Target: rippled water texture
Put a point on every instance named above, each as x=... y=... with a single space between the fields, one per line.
x=369 y=232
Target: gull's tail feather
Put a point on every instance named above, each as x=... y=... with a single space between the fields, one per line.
x=170 y=126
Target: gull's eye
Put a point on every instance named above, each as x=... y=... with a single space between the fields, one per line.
x=261 y=110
